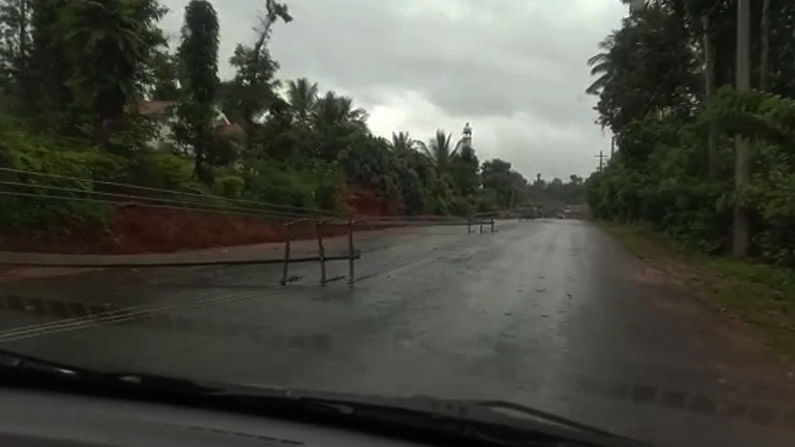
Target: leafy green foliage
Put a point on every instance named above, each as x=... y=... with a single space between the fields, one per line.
x=160 y=170
x=278 y=182
x=164 y=73
x=666 y=174
x=506 y=184
x=85 y=72
x=657 y=177
x=16 y=49
x=440 y=149
x=229 y=186
x=251 y=92
x=23 y=150
x=302 y=98
x=632 y=81
x=106 y=43
x=198 y=56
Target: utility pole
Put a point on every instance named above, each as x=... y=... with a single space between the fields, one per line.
x=709 y=91
x=741 y=172
x=764 y=60
x=601 y=158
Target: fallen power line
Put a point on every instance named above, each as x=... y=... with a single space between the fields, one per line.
x=144 y=200
x=263 y=204
x=149 y=205
x=162 y=264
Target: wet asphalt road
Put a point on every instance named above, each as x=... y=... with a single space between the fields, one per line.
x=549 y=313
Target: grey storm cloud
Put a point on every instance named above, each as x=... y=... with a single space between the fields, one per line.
x=514 y=68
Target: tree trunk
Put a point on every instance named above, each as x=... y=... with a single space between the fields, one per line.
x=764 y=60
x=709 y=91
x=198 y=163
x=741 y=171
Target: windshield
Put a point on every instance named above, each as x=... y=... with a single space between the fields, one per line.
x=583 y=207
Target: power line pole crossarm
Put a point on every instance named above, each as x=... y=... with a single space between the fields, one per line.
x=601 y=158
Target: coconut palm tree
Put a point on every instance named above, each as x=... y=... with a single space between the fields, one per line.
x=402 y=143
x=601 y=65
x=333 y=109
x=302 y=97
x=439 y=149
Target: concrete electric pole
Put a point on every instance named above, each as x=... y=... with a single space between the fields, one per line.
x=742 y=147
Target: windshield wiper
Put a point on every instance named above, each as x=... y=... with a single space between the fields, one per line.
x=423 y=418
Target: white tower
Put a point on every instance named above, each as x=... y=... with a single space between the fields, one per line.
x=467 y=140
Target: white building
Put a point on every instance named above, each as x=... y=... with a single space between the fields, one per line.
x=163 y=113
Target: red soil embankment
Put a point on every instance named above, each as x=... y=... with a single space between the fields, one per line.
x=135 y=229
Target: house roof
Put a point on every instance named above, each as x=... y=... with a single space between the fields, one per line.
x=164 y=109
x=231 y=130
x=155 y=109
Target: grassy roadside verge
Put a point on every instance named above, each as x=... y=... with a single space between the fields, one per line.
x=763 y=296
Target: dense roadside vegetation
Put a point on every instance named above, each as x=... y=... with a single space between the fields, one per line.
x=665 y=86
x=665 y=83
x=92 y=90
x=760 y=295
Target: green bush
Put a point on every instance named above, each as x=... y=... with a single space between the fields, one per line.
x=330 y=187
x=54 y=205
x=273 y=183
x=230 y=186
x=160 y=170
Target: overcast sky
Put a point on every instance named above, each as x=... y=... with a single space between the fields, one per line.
x=514 y=69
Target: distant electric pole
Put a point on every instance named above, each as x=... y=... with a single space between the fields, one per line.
x=741 y=171
x=601 y=158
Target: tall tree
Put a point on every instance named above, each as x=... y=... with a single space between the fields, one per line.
x=402 y=143
x=108 y=45
x=440 y=149
x=198 y=57
x=601 y=65
x=252 y=91
x=464 y=167
x=332 y=110
x=631 y=82
x=507 y=183
x=16 y=49
x=164 y=74
x=53 y=99
x=335 y=121
x=780 y=77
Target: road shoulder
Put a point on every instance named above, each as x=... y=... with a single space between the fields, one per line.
x=760 y=296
